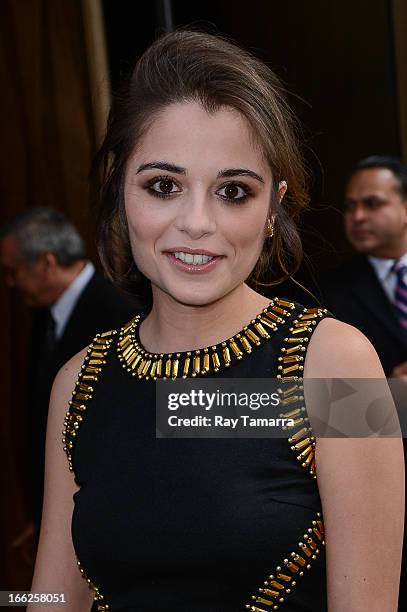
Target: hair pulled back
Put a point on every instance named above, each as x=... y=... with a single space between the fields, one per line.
x=194 y=66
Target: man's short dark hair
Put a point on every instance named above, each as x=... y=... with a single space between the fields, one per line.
x=44 y=230
x=390 y=162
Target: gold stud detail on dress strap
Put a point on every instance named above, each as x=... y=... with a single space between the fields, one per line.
x=299 y=434
x=285 y=303
x=259 y=327
x=281 y=583
x=274 y=317
x=276 y=585
x=292 y=413
x=293 y=349
x=301 y=445
x=300 y=331
x=268 y=324
x=252 y=336
x=280 y=310
x=83 y=391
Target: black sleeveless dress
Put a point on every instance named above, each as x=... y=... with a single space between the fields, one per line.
x=195 y=525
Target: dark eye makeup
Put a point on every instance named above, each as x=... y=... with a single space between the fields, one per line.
x=166 y=186
x=162 y=186
x=234 y=191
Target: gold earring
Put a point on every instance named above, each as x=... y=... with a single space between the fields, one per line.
x=270 y=228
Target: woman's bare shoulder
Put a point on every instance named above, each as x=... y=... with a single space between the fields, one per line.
x=337 y=349
x=56 y=567
x=68 y=375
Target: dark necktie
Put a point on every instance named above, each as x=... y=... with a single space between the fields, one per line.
x=49 y=336
x=400 y=296
x=48 y=339
x=44 y=354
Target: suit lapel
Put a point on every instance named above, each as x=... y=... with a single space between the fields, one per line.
x=75 y=336
x=367 y=288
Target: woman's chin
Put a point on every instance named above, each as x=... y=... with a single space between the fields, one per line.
x=194 y=296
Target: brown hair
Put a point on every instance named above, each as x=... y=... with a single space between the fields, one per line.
x=188 y=65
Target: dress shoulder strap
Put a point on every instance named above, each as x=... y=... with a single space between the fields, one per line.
x=290 y=372
x=295 y=344
x=287 y=573
x=84 y=388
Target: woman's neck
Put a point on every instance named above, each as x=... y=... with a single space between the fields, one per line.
x=175 y=327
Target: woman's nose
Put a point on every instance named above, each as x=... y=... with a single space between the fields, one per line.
x=196 y=216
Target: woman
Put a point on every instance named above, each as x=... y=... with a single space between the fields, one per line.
x=203 y=179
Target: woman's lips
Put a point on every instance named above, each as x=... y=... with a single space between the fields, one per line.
x=194 y=268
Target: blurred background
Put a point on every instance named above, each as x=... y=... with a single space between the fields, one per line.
x=343 y=62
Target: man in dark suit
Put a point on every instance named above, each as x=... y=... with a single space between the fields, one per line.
x=367 y=290
x=370 y=290
x=43 y=257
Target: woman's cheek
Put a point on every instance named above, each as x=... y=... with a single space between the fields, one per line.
x=246 y=236
x=144 y=235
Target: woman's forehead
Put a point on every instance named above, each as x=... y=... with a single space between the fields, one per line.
x=188 y=135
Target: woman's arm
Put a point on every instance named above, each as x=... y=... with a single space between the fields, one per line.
x=56 y=569
x=361 y=484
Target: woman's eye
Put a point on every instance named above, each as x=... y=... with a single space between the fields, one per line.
x=163 y=186
x=233 y=191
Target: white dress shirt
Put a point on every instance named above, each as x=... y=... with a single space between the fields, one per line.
x=62 y=309
x=387 y=278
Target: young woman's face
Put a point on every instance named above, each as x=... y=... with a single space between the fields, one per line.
x=197 y=197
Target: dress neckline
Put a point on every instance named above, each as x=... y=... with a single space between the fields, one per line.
x=210 y=359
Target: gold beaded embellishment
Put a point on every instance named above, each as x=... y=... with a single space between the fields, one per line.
x=284 y=580
x=302 y=441
x=84 y=387
x=92 y=366
x=208 y=360
x=98 y=597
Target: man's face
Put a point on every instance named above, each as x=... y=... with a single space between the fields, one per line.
x=30 y=279
x=376 y=213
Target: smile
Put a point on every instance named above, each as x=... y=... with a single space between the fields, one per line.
x=193 y=262
x=193 y=259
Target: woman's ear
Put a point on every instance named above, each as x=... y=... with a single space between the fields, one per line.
x=282 y=188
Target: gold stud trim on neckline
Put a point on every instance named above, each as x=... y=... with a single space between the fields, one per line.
x=200 y=362
x=284 y=579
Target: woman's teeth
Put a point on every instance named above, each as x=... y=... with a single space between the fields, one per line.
x=193 y=259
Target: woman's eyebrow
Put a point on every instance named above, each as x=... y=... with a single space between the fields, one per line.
x=227 y=173
x=231 y=172
x=161 y=165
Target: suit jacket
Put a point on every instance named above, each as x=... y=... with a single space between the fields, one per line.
x=100 y=307
x=354 y=294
